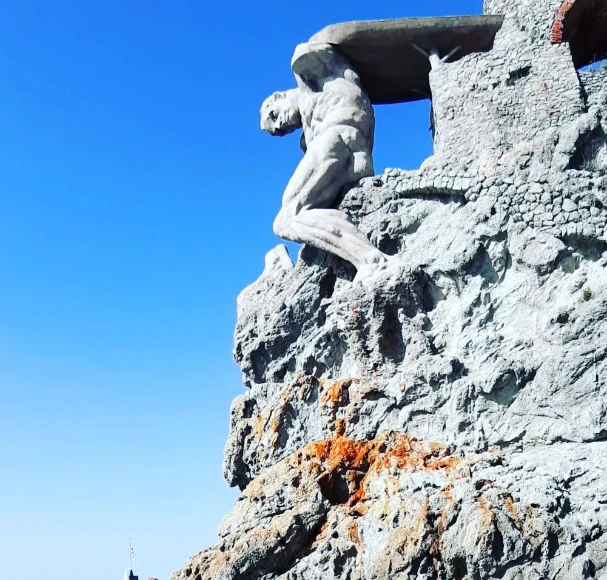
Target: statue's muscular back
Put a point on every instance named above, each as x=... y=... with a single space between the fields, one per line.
x=338 y=102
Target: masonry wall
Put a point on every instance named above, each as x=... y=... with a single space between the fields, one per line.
x=593 y=83
x=519 y=125
x=493 y=104
x=528 y=19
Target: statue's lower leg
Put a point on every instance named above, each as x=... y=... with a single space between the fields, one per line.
x=330 y=230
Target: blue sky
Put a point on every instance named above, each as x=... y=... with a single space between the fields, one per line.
x=137 y=198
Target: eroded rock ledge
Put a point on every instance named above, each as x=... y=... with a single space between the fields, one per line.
x=397 y=507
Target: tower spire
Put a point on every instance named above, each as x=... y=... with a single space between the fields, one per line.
x=130 y=575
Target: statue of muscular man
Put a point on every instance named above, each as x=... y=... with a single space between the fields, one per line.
x=338 y=124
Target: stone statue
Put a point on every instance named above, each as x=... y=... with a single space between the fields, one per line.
x=338 y=123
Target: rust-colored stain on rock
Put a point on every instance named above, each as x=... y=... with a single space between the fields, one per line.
x=385 y=455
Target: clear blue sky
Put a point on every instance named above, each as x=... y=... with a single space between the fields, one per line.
x=137 y=197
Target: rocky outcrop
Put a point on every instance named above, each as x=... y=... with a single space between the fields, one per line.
x=447 y=417
x=446 y=420
x=396 y=507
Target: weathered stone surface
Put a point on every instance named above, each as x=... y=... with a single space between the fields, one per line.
x=455 y=346
x=447 y=417
x=493 y=338
x=395 y=507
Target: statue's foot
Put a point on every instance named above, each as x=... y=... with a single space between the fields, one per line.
x=382 y=266
x=367 y=271
x=278 y=259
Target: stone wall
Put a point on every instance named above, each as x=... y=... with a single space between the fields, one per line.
x=594 y=82
x=526 y=21
x=570 y=204
x=492 y=108
x=519 y=124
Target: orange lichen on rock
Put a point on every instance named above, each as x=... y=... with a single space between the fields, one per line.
x=385 y=455
x=322 y=534
x=277 y=419
x=353 y=532
x=340 y=427
x=447 y=463
x=414 y=455
x=299 y=387
x=258 y=426
x=340 y=461
x=486 y=510
x=406 y=453
x=421 y=521
x=335 y=395
x=343 y=452
x=441 y=524
x=511 y=509
x=446 y=492
x=400 y=452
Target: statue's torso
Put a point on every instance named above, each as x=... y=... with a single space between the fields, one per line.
x=341 y=102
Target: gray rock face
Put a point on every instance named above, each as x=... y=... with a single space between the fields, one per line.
x=476 y=342
x=446 y=418
x=416 y=510
x=492 y=342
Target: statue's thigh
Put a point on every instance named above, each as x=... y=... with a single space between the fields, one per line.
x=319 y=177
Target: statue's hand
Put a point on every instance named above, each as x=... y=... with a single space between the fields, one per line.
x=312 y=60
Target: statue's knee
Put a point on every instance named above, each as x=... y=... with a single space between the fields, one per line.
x=362 y=164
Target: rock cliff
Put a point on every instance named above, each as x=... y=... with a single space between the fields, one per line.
x=447 y=418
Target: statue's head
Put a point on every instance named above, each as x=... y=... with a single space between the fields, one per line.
x=280 y=113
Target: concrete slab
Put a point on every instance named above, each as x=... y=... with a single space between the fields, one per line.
x=383 y=52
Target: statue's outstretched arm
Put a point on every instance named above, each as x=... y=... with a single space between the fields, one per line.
x=314 y=62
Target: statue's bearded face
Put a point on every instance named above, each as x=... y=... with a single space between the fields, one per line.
x=280 y=114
